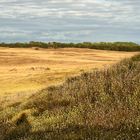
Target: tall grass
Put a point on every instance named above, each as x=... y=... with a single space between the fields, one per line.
x=116 y=46
x=100 y=105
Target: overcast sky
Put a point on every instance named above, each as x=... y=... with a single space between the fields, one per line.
x=69 y=20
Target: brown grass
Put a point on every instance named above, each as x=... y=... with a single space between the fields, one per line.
x=101 y=104
x=24 y=71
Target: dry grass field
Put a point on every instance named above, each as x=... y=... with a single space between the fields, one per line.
x=100 y=104
x=24 y=71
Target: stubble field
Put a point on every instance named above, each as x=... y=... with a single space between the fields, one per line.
x=25 y=71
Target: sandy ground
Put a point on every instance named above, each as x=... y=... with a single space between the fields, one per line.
x=25 y=71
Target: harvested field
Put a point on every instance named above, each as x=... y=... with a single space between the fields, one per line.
x=24 y=71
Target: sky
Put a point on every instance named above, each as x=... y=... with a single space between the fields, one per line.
x=69 y=20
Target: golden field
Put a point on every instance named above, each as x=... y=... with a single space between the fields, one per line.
x=101 y=103
x=24 y=71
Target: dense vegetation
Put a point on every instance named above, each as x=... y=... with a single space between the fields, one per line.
x=102 y=105
x=116 y=46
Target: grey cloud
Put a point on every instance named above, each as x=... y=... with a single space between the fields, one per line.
x=69 y=20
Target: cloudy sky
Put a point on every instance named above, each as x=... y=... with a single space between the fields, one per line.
x=69 y=20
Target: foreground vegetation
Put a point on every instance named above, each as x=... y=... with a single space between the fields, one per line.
x=116 y=46
x=101 y=105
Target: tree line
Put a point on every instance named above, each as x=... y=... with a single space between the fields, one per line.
x=115 y=46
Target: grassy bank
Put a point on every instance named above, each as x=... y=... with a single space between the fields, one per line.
x=116 y=46
x=101 y=105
